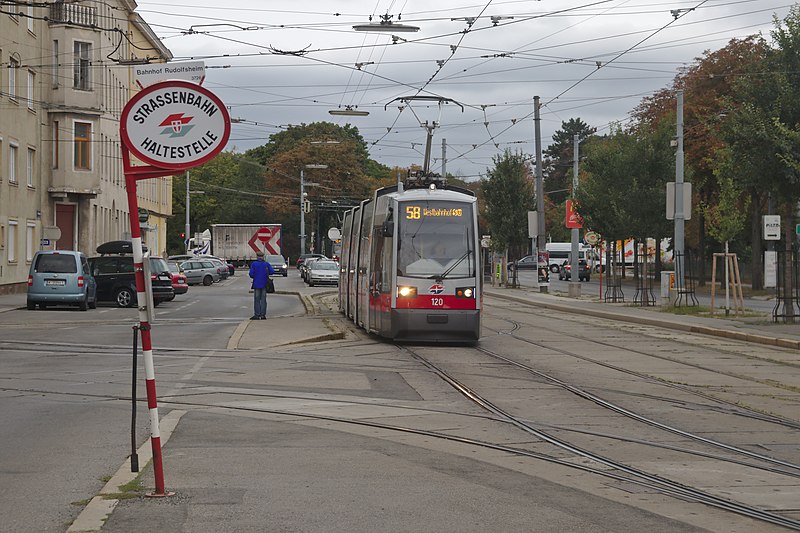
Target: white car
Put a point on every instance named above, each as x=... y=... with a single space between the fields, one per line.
x=322 y=272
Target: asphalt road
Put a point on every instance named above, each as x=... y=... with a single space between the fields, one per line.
x=63 y=376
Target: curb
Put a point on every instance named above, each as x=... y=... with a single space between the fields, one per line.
x=97 y=511
x=647 y=321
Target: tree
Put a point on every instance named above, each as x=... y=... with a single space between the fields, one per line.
x=508 y=196
x=233 y=193
x=557 y=170
x=623 y=194
x=708 y=87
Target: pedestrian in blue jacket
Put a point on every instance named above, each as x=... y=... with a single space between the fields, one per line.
x=260 y=271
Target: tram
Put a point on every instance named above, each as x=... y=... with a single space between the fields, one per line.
x=410 y=263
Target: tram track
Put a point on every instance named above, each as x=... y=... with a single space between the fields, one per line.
x=739 y=409
x=662 y=484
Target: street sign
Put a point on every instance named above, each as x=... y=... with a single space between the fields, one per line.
x=592 y=237
x=175 y=125
x=193 y=71
x=144 y=215
x=771 y=225
x=533 y=224
x=797 y=229
x=44 y=242
x=687 y=201
x=334 y=234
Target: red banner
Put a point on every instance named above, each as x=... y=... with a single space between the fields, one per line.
x=573 y=219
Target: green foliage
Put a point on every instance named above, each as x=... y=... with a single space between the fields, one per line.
x=624 y=193
x=726 y=219
x=508 y=196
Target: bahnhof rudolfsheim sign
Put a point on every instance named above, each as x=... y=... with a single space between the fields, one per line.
x=175 y=125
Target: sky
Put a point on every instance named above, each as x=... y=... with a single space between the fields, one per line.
x=469 y=74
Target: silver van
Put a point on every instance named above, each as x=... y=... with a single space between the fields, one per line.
x=61 y=277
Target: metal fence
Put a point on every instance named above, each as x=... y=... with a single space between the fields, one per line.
x=787 y=288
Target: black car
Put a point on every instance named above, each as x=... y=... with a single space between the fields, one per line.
x=278 y=263
x=584 y=271
x=116 y=279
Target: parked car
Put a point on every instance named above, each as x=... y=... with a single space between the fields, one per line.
x=222 y=267
x=200 y=271
x=323 y=271
x=116 y=279
x=306 y=265
x=279 y=263
x=303 y=257
x=584 y=271
x=179 y=282
x=529 y=262
x=61 y=277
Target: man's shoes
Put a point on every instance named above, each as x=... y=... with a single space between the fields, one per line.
x=262 y=317
x=254 y=317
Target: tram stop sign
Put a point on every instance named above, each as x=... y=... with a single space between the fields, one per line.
x=175 y=125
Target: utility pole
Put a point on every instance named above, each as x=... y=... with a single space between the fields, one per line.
x=186 y=228
x=302 y=212
x=540 y=237
x=679 y=207
x=444 y=158
x=574 y=278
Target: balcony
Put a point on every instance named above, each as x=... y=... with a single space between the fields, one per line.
x=74 y=14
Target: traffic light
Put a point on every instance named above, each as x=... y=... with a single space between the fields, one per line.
x=307 y=206
x=183 y=235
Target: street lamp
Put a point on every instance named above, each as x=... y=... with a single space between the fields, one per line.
x=302 y=204
x=385 y=25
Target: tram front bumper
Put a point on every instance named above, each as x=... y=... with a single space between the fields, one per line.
x=433 y=325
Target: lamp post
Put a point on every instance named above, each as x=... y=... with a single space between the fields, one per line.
x=187 y=228
x=302 y=204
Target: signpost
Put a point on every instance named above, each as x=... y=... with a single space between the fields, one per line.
x=170 y=126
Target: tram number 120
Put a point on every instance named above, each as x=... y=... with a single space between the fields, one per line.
x=437 y=302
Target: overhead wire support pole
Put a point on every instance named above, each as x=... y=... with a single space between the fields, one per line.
x=574 y=277
x=540 y=236
x=679 y=207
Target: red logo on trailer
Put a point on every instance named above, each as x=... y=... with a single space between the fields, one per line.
x=270 y=241
x=436 y=289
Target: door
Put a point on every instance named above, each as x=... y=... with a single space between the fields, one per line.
x=65 y=220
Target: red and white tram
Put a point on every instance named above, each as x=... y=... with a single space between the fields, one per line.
x=410 y=267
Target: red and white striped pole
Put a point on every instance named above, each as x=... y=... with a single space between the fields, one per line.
x=144 y=328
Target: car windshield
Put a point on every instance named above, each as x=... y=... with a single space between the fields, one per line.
x=275 y=259
x=173 y=267
x=324 y=265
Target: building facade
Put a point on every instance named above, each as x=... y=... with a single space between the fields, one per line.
x=68 y=76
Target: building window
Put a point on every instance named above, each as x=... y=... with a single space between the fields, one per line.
x=30 y=18
x=30 y=232
x=56 y=139
x=11 y=245
x=30 y=169
x=12 y=162
x=54 y=72
x=13 y=66
x=31 y=85
x=83 y=146
x=82 y=62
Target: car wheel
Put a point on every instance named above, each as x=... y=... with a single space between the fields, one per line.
x=285 y=274
x=84 y=305
x=310 y=283
x=31 y=306
x=208 y=280
x=125 y=298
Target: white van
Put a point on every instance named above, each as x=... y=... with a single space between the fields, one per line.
x=560 y=252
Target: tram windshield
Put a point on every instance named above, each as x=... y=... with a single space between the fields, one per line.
x=436 y=240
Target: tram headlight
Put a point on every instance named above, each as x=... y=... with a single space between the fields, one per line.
x=406 y=292
x=465 y=292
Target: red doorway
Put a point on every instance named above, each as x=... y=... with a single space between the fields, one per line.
x=65 y=220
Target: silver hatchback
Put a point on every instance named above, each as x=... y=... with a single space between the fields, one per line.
x=61 y=277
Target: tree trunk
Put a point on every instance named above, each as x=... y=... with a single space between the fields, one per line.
x=788 y=266
x=757 y=246
x=701 y=241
